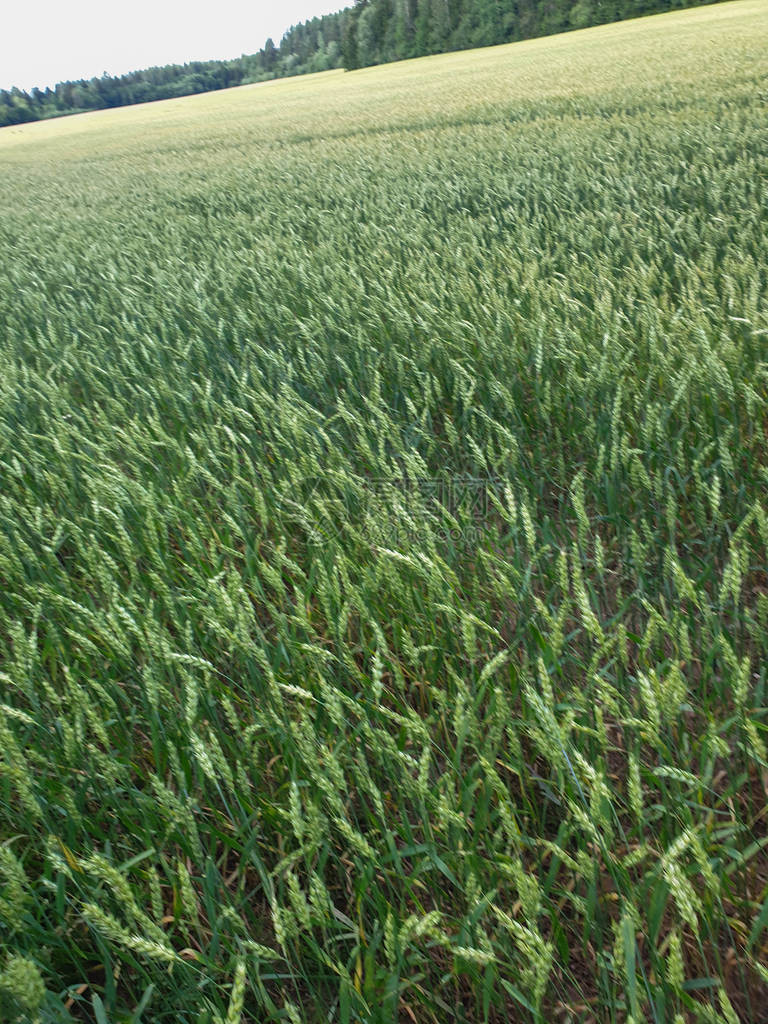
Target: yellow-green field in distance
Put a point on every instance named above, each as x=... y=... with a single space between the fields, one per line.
x=699 y=49
x=384 y=542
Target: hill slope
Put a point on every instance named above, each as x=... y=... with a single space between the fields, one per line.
x=383 y=542
x=363 y=34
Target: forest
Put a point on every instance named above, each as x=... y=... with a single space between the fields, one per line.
x=370 y=32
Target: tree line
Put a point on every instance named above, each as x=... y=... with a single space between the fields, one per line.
x=370 y=32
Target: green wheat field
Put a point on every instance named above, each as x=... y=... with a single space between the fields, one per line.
x=384 y=543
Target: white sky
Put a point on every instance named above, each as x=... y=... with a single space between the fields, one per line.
x=47 y=41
